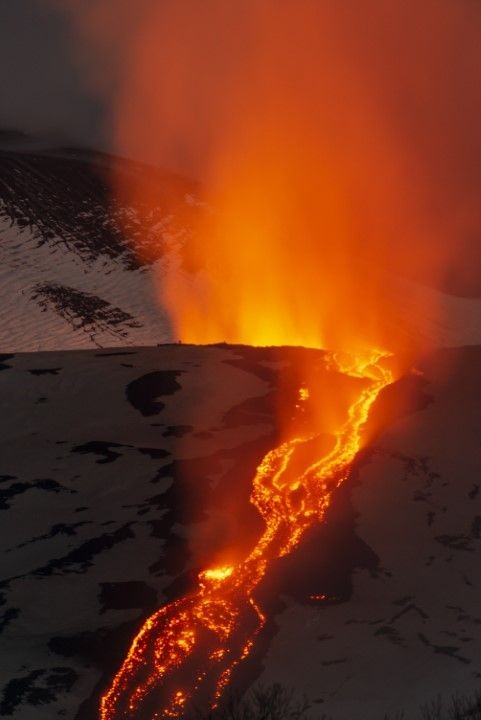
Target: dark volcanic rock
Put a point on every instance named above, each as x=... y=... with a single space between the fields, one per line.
x=143 y=393
x=108 y=515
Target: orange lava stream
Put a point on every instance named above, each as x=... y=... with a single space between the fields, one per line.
x=186 y=651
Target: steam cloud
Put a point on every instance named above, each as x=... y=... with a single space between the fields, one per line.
x=337 y=138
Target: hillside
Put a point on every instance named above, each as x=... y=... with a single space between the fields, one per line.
x=124 y=472
x=69 y=277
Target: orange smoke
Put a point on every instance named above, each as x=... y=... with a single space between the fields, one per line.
x=338 y=146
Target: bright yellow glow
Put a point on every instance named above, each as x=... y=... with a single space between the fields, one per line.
x=304 y=394
x=217 y=574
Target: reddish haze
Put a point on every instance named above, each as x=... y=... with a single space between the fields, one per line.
x=333 y=138
x=339 y=147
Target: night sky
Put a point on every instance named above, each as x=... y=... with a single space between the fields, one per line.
x=42 y=92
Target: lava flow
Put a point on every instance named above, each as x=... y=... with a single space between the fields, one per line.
x=186 y=652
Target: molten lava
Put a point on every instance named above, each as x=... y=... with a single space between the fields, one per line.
x=187 y=650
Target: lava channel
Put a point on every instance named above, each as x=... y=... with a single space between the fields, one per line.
x=185 y=653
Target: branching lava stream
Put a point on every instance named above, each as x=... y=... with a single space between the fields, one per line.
x=186 y=651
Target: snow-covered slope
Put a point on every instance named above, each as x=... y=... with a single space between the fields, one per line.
x=122 y=472
x=69 y=278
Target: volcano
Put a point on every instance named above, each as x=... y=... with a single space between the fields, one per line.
x=139 y=476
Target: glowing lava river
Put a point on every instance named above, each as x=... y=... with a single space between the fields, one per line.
x=185 y=652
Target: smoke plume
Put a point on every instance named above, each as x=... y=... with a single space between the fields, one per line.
x=338 y=144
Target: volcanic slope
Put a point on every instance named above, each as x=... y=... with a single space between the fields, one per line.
x=80 y=269
x=125 y=472
x=69 y=278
